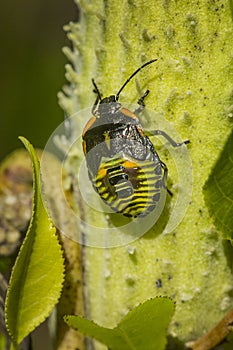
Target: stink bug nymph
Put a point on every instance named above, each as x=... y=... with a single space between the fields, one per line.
x=122 y=163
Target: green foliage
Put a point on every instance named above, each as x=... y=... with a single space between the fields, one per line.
x=143 y=328
x=218 y=191
x=37 y=276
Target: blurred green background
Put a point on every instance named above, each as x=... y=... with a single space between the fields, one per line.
x=31 y=69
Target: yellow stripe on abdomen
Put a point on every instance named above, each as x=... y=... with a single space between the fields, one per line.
x=129 y=187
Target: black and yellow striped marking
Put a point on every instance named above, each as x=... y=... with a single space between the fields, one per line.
x=130 y=187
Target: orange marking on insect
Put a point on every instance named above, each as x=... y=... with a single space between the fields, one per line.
x=129 y=164
x=84 y=147
x=102 y=172
x=128 y=113
x=88 y=125
x=140 y=130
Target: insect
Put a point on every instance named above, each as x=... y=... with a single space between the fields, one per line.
x=123 y=165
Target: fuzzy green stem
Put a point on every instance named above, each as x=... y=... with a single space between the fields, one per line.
x=191 y=85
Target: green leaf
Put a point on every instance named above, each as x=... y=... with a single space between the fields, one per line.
x=37 y=276
x=218 y=191
x=143 y=328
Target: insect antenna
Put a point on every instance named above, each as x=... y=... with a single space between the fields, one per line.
x=136 y=71
x=98 y=97
x=96 y=90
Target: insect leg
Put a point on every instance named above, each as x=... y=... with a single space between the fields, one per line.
x=141 y=103
x=170 y=140
x=165 y=172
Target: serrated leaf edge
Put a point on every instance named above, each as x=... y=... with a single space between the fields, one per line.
x=36 y=180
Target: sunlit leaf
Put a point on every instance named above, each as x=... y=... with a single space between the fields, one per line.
x=143 y=328
x=218 y=191
x=37 y=276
